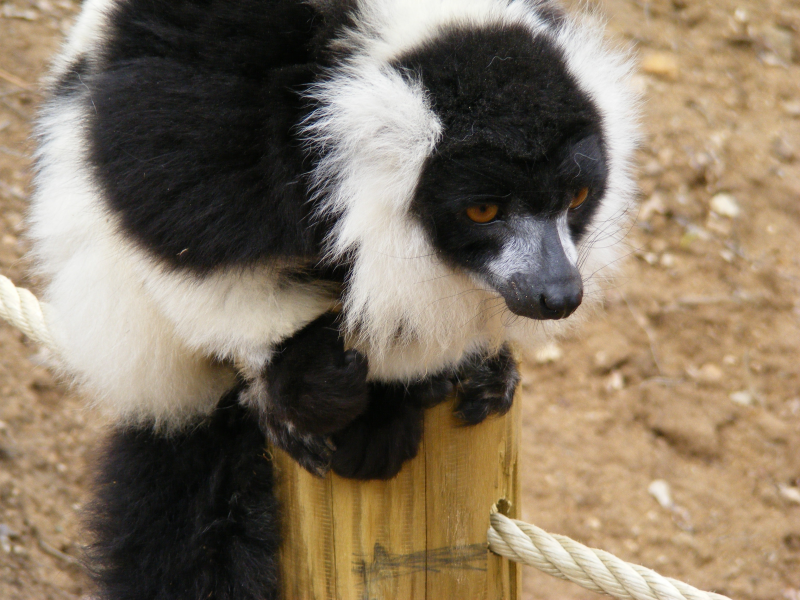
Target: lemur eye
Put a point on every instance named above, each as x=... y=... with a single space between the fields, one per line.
x=579 y=198
x=482 y=213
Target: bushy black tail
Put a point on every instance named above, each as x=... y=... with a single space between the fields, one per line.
x=189 y=516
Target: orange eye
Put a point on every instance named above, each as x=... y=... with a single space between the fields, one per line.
x=579 y=198
x=483 y=213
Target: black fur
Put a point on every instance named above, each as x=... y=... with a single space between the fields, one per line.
x=71 y=81
x=192 y=136
x=314 y=383
x=503 y=89
x=377 y=443
x=314 y=401
x=516 y=127
x=311 y=388
x=486 y=386
x=190 y=516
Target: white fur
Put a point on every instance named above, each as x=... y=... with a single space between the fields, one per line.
x=389 y=28
x=85 y=36
x=405 y=309
x=146 y=343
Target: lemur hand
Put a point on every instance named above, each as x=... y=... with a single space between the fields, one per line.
x=311 y=388
x=486 y=386
x=378 y=442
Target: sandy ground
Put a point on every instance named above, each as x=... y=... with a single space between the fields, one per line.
x=689 y=377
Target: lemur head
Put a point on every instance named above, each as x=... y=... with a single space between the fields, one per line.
x=471 y=150
x=520 y=167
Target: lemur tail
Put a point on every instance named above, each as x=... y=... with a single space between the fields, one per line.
x=186 y=515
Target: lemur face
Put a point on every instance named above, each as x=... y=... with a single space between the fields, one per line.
x=520 y=170
x=515 y=223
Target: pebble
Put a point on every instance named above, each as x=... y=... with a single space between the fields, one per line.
x=660 y=490
x=593 y=523
x=616 y=382
x=791 y=108
x=606 y=361
x=726 y=205
x=548 y=354
x=6 y=535
x=794 y=406
x=661 y=64
x=743 y=398
x=653 y=168
x=783 y=149
x=718 y=224
x=9 y=11
x=773 y=428
x=654 y=205
x=708 y=373
x=659 y=245
x=790 y=493
x=15 y=220
x=631 y=546
x=687 y=426
x=780 y=41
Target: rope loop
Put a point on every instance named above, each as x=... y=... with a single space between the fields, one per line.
x=22 y=310
x=595 y=570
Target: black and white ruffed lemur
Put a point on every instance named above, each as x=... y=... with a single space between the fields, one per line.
x=304 y=222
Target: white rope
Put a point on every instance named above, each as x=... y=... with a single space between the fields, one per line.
x=556 y=555
x=21 y=308
x=595 y=570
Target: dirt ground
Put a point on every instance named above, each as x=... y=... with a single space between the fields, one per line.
x=685 y=390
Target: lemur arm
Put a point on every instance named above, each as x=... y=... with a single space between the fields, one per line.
x=314 y=401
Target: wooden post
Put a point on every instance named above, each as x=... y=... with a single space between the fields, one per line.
x=421 y=535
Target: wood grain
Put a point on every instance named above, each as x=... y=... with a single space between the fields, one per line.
x=421 y=535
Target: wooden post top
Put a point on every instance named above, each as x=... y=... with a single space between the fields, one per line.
x=420 y=536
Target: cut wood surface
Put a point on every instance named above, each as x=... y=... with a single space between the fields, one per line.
x=421 y=535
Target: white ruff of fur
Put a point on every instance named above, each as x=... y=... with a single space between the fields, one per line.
x=84 y=38
x=405 y=309
x=146 y=343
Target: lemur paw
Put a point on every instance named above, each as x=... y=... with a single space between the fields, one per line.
x=377 y=443
x=486 y=386
x=312 y=452
x=313 y=384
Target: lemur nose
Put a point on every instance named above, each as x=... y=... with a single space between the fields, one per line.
x=561 y=299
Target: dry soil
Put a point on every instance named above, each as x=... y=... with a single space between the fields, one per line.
x=688 y=378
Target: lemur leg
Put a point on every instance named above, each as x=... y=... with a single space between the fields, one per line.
x=486 y=386
x=311 y=388
x=378 y=442
x=186 y=515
